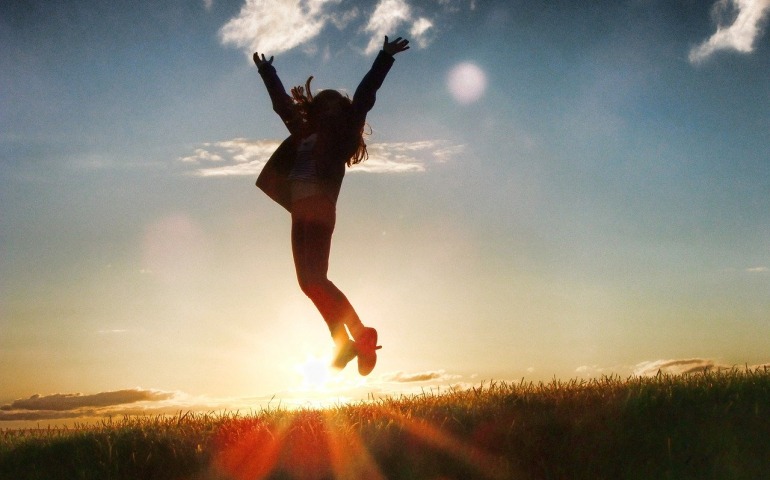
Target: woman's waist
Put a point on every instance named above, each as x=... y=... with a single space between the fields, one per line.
x=313 y=205
x=301 y=188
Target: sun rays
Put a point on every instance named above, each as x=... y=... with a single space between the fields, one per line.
x=345 y=443
x=328 y=439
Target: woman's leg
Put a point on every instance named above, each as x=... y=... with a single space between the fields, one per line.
x=313 y=222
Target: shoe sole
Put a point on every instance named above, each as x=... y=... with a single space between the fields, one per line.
x=367 y=356
x=343 y=358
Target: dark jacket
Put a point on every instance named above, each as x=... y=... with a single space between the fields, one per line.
x=330 y=156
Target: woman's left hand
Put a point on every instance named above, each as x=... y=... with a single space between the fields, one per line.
x=259 y=62
x=396 y=46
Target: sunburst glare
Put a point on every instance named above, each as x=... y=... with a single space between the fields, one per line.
x=315 y=373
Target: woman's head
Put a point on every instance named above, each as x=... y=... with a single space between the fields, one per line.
x=329 y=110
x=330 y=104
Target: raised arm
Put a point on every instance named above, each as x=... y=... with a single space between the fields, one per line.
x=282 y=103
x=366 y=93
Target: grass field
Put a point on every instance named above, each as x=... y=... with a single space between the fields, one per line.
x=714 y=425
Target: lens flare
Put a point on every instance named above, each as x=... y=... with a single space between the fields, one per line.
x=466 y=82
x=315 y=373
x=174 y=249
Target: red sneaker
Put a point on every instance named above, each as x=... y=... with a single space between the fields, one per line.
x=366 y=347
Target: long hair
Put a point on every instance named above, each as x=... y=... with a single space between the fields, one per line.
x=339 y=131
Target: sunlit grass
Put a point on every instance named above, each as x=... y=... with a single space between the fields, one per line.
x=712 y=425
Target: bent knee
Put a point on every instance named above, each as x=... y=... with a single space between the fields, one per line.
x=313 y=286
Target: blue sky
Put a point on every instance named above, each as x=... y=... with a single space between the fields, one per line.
x=568 y=190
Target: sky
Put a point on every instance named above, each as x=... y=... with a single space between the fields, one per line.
x=562 y=190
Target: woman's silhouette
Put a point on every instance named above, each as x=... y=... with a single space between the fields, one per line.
x=304 y=175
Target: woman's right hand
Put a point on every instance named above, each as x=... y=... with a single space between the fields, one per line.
x=261 y=61
x=396 y=46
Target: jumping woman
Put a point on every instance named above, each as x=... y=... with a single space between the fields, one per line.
x=304 y=176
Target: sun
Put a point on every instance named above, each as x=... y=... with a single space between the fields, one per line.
x=315 y=372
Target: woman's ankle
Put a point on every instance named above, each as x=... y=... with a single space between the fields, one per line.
x=356 y=329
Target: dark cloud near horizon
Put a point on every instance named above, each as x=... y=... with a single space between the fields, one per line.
x=32 y=415
x=60 y=402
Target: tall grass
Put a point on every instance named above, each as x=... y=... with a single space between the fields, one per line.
x=714 y=425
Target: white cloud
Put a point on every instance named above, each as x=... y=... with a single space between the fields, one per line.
x=387 y=16
x=740 y=35
x=243 y=169
x=688 y=365
x=444 y=154
x=407 y=146
x=201 y=155
x=676 y=367
x=384 y=165
x=275 y=26
x=758 y=270
x=247 y=157
x=419 y=28
x=207 y=4
x=404 y=156
x=342 y=19
x=243 y=150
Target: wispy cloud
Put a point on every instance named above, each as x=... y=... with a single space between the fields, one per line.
x=387 y=16
x=276 y=26
x=650 y=368
x=445 y=154
x=386 y=19
x=758 y=270
x=342 y=19
x=243 y=157
x=419 y=31
x=393 y=157
x=201 y=155
x=747 y=25
x=403 y=377
x=407 y=156
x=687 y=365
x=598 y=370
x=247 y=157
x=675 y=367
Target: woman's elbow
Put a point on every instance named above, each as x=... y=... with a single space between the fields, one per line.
x=283 y=110
x=364 y=104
